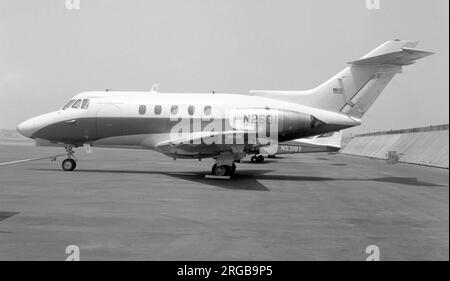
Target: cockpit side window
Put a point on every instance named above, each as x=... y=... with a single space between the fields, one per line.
x=85 y=104
x=76 y=104
x=68 y=104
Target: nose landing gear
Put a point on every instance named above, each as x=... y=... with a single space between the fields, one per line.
x=69 y=164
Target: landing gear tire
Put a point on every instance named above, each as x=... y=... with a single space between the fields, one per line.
x=69 y=164
x=257 y=159
x=232 y=170
x=223 y=170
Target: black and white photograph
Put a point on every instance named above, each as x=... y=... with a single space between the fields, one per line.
x=224 y=137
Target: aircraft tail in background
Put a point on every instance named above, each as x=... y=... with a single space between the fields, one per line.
x=329 y=142
x=333 y=139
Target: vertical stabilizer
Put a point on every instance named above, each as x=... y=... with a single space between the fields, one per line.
x=355 y=89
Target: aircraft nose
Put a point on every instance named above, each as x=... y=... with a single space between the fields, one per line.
x=27 y=128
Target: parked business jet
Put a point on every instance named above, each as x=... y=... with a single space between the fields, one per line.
x=328 y=142
x=224 y=127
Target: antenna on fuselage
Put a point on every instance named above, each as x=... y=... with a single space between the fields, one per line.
x=155 y=88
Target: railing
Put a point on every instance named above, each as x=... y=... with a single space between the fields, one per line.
x=405 y=131
x=393 y=157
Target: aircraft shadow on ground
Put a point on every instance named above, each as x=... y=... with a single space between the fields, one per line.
x=271 y=161
x=260 y=163
x=4 y=216
x=250 y=179
x=7 y=215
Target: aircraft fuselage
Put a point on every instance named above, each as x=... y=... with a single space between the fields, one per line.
x=145 y=119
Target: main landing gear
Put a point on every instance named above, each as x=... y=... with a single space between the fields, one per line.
x=224 y=170
x=257 y=159
x=69 y=164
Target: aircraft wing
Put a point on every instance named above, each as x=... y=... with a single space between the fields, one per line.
x=204 y=143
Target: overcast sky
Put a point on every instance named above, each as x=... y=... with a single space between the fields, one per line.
x=49 y=53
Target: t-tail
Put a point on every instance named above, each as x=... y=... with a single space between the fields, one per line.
x=353 y=90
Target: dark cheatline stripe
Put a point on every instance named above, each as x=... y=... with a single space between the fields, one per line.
x=94 y=128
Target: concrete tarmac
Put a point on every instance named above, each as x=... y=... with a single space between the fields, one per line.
x=140 y=205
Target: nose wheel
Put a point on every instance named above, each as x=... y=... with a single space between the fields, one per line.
x=69 y=164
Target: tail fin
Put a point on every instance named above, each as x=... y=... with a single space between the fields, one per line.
x=353 y=90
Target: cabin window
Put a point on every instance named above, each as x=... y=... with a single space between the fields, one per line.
x=85 y=104
x=207 y=110
x=174 y=110
x=76 y=104
x=157 y=109
x=142 y=109
x=68 y=104
x=191 y=110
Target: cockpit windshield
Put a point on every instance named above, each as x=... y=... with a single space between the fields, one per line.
x=68 y=104
x=77 y=104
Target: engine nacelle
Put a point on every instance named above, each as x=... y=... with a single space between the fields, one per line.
x=278 y=123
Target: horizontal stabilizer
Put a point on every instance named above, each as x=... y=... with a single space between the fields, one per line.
x=406 y=56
